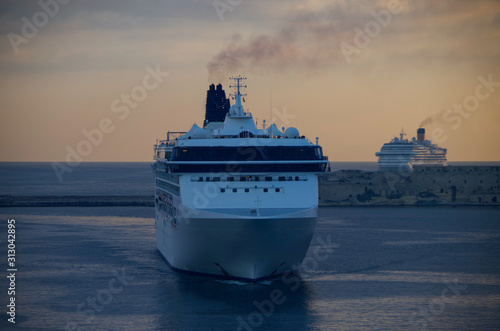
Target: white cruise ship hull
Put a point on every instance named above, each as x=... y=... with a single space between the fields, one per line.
x=236 y=246
x=402 y=154
x=232 y=200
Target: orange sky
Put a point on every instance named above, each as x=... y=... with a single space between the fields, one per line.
x=420 y=61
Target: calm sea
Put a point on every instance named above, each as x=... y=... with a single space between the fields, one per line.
x=114 y=178
x=97 y=268
x=396 y=268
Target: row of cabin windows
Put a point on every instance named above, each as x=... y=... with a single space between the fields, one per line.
x=247 y=190
x=246 y=168
x=247 y=153
x=249 y=179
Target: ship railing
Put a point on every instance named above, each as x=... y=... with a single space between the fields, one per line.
x=166 y=143
x=242 y=114
x=173 y=135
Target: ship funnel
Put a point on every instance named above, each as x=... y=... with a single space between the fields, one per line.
x=421 y=135
x=217 y=105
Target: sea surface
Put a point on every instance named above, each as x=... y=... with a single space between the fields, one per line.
x=108 y=178
x=368 y=268
x=398 y=268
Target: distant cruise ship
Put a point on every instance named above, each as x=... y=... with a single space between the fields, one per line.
x=402 y=154
x=233 y=200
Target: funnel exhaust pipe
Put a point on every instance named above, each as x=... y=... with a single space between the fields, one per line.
x=421 y=135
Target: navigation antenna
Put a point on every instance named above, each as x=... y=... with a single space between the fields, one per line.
x=402 y=134
x=271 y=105
x=237 y=108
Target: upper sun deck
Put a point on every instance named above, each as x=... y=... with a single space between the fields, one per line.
x=219 y=141
x=238 y=140
x=238 y=128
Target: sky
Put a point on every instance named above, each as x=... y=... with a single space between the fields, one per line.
x=89 y=80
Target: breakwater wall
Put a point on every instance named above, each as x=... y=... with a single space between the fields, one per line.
x=424 y=186
x=73 y=201
x=452 y=185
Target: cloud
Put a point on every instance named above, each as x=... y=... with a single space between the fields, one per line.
x=101 y=35
x=309 y=40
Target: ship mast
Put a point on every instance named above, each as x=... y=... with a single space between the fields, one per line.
x=402 y=134
x=237 y=108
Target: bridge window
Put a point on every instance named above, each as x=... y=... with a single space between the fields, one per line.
x=248 y=153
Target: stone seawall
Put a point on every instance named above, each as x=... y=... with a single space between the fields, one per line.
x=73 y=201
x=447 y=186
x=452 y=185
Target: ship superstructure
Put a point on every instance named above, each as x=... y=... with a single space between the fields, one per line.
x=233 y=200
x=402 y=154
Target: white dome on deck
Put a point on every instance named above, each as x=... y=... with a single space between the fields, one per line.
x=292 y=132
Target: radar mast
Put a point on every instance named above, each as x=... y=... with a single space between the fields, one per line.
x=237 y=108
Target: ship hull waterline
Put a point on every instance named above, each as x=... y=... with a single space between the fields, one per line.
x=249 y=248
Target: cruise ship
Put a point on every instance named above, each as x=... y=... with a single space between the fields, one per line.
x=402 y=154
x=232 y=200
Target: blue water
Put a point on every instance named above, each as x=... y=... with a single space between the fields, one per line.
x=367 y=269
x=115 y=178
x=99 y=178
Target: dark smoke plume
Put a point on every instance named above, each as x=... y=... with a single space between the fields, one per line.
x=259 y=52
x=427 y=121
x=309 y=40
